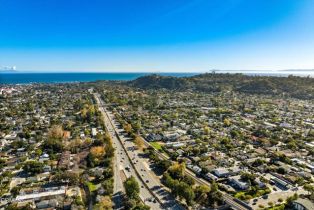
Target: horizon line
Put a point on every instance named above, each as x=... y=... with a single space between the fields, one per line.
x=126 y=71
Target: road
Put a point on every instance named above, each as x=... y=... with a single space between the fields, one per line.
x=118 y=188
x=142 y=166
x=121 y=163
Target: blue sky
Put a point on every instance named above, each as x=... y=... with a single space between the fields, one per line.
x=156 y=35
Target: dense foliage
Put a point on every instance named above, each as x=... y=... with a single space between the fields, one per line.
x=293 y=86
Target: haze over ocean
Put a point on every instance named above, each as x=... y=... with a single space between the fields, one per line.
x=24 y=78
x=59 y=77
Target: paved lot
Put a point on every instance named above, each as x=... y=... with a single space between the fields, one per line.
x=273 y=197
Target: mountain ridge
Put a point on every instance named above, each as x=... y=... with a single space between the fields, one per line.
x=293 y=86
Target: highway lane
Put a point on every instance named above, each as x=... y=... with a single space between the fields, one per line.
x=154 y=183
x=142 y=165
x=118 y=188
x=121 y=163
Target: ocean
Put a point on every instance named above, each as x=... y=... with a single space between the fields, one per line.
x=27 y=78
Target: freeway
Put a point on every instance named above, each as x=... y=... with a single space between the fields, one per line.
x=142 y=165
x=153 y=183
x=122 y=163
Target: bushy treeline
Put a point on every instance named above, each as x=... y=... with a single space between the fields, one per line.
x=293 y=86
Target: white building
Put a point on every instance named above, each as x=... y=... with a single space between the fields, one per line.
x=239 y=183
x=94 y=131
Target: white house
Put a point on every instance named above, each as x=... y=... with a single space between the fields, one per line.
x=237 y=182
x=94 y=131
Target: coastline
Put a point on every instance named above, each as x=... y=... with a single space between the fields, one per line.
x=19 y=77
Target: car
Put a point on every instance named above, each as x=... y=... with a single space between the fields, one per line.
x=147 y=181
x=255 y=200
x=254 y=204
x=265 y=196
x=151 y=199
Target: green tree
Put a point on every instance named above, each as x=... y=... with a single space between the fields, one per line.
x=131 y=187
x=141 y=206
x=201 y=193
x=130 y=203
x=309 y=188
x=33 y=167
x=248 y=177
x=227 y=122
x=291 y=199
x=38 y=152
x=137 y=126
x=66 y=177
x=15 y=190
x=164 y=164
x=14 y=207
x=176 y=171
x=108 y=186
x=188 y=180
x=206 y=130
x=2 y=163
x=185 y=191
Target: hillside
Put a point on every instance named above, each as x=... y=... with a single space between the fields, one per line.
x=297 y=87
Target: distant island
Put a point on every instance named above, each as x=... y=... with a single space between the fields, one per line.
x=298 y=70
x=8 y=71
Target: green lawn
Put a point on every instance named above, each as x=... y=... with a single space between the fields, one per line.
x=247 y=195
x=156 y=145
x=92 y=187
x=278 y=207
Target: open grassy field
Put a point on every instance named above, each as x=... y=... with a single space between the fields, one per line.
x=92 y=187
x=156 y=145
